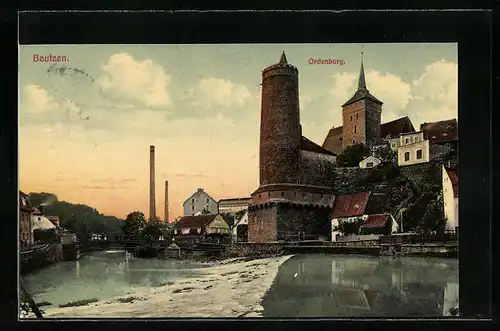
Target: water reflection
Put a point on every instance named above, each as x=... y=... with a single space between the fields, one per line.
x=354 y=286
x=104 y=275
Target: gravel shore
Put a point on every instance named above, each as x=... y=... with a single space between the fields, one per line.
x=229 y=288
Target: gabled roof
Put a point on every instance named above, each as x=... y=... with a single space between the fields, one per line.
x=442 y=131
x=394 y=128
x=230 y=219
x=36 y=211
x=376 y=221
x=198 y=191
x=332 y=141
x=24 y=202
x=308 y=145
x=199 y=221
x=350 y=205
x=454 y=181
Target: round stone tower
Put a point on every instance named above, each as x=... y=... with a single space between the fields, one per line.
x=279 y=124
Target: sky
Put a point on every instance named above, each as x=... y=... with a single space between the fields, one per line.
x=85 y=125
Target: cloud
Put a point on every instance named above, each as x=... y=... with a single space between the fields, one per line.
x=142 y=81
x=392 y=91
x=35 y=99
x=436 y=92
x=220 y=92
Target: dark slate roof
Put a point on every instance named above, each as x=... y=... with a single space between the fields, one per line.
x=235 y=199
x=394 y=128
x=332 y=142
x=308 y=145
x=360 y=95
x=376 y=221
x=27 y=207
x=229 y=218
x=350 y=205
x=283 y=58
x=198 y=221
x=442 y=131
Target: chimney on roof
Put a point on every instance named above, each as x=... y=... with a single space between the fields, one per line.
x=152 y=198
x=200 y=189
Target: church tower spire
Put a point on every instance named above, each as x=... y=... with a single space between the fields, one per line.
x=362 y=82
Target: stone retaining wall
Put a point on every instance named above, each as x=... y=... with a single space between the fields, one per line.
x=255 y=249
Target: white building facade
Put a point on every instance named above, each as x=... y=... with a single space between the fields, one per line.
x=199 y=201
x=413 y=149
x=450 y=199
x=369 y=162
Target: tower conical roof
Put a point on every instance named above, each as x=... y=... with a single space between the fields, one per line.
x=283 y=58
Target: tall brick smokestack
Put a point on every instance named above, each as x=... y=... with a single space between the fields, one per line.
x=166 y=201
x=152 y=199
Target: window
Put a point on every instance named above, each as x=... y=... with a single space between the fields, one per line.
x=259 y=195
x=407 y=156
x=268 y=194
x=192 y=207
x=282 y=194
x=340 y=140
x=351 y=118
x=353 y=141
x=419 y=154
x=192 y=200
x=208 y=200
x=411 y=139
x=416 y=139
x=303 y=194
x=393 y=145
x=369 y=164
x=356 y=116
x=406 y=141
x=321 y=196
x=355 y=129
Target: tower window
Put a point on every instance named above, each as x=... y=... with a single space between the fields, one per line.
x=282 y=194
x=356 y=116
x=340 y=140
x=268 y=194
x=355 y=129
x=351 y=118
x=353 y=141
x=407 y=156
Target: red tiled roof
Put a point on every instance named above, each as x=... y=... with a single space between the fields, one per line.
x=395 y=128
x=350 y=205
x=332 y=141
x=376 y=221
x=454 y=181
x=308 y=145
x=442 y=131
x=198 y=221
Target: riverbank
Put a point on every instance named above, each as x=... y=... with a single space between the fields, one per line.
x=229 y=288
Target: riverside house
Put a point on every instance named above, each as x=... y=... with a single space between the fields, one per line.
x=25 y=227
x=196 y=229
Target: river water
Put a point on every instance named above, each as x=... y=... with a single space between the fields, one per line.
x=360 y=286
x=104 y=275
x=305 y=285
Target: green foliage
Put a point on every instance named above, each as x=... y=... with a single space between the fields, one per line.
x=352 y=155
x=80 y=219
x=349 y=228
x=134 y=224
x=433 y=219
x=384 y=153
x=48 y=236
x=384 y=172
x=153 y=229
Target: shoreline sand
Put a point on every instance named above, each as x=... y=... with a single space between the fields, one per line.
x=229 y=288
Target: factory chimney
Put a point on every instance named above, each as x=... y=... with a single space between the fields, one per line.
x=166 y=201
x=152 y=199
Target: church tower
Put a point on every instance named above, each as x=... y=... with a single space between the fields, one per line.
x=361 y=116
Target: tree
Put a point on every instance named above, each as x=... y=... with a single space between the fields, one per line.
x=352 y=155
x=153 y=229
x=348 y=228
x=385 y=153
x=134 y=224
x=433 y=219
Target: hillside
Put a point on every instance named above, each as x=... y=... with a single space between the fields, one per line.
x=412 y=190
x=78 y=218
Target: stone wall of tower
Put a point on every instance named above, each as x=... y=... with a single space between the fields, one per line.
x=354 y=124
x=373 y=121
x=262 y=224
x=280 y=125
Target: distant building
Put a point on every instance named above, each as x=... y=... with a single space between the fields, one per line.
x=379 y=224
x=369 y=162
x=25 y=227
x=348 y=209
x=413 y=149
x=191 y=230
x=55 y=220
x=40 y=222
x=234 y=205
x=450 y=198
x=444 y=133
x=200 y=202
